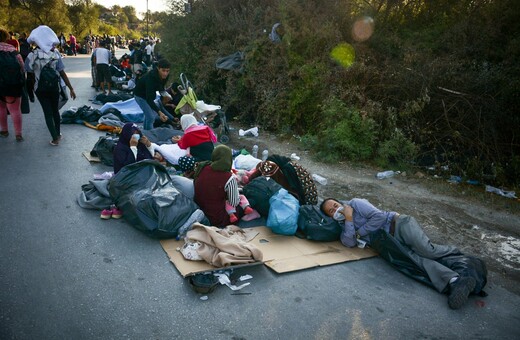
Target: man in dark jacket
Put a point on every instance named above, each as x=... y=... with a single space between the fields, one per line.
x=145 y=93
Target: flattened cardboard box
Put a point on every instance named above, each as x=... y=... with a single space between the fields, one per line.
x=281 y=253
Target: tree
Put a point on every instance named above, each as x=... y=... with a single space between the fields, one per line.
x=83 y=17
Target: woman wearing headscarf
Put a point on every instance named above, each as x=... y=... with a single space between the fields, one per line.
x=216 y=189
x=132 y=147
x=45 y=54
x=197 y=139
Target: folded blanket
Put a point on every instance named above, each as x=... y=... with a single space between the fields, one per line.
x=224 y=247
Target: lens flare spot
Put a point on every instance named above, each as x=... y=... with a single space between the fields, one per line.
x=363 y=29
x=344 y=54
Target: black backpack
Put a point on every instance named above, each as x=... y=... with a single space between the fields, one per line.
x=12 y=78
x=315 y=225
x=258 y=193
x=49 y=80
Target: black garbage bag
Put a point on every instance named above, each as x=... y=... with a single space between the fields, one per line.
x=402 y=258
x=149 y=200
x=104 y=149
x=231 y=62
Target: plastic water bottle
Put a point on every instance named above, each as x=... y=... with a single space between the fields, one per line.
x=385 y=174
x=265 y=154
x=254 y=152
x=319 y=179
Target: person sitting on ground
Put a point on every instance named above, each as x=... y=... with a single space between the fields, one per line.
x=175 y=98
x=145 y=93
x=197 y=139
x=290 y=175
x=161 y=102
x=131 y=147
x=360 y=218
x=216 y=190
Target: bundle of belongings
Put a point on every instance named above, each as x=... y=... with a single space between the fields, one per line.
x=220 y=247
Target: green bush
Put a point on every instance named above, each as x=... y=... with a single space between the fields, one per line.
x=345 y=133
x=397 y=152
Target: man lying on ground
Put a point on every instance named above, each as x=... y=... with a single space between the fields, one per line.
x=360 y=219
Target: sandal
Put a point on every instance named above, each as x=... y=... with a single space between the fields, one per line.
x=4 y=133
x=19 y=138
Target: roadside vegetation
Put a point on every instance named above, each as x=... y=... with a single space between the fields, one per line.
x=396 y=83
x=400 y=84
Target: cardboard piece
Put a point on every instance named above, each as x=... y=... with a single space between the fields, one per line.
x=281 y=253
x=90 y=158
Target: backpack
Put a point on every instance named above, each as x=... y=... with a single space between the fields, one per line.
x=49 y=80
x=315 y=225
x=259 y=191
x=12 y=78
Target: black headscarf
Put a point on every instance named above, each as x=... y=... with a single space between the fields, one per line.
x=123 y=155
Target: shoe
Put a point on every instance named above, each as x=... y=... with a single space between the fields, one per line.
x=54 y=142
x=19 y=138
x=233 y=218
x=116 y=213
x=4 y=134
x=459 y=291
x=248 y=210
x=106 y=214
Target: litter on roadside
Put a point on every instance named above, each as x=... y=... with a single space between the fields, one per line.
x=508 y=194
x=249 y=132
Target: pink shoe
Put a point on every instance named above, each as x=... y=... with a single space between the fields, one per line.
x=233 y=218
x=116 y=213
x=248 y=210
x=106 y=214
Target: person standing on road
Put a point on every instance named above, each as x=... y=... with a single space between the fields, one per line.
x=10 y=94
x=360 y=218
x=101 y=58
x=73 y=43
x=46 y=55
x=146 y=89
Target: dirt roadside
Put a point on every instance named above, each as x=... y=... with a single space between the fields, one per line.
x=479 y=223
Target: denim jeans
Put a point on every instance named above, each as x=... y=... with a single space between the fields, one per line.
x=149 y=113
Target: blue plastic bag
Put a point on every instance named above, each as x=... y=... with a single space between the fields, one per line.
x=283 y=213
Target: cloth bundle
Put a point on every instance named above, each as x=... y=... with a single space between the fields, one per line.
x=224 y=247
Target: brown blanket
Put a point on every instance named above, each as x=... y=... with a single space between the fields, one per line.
x=224 y=247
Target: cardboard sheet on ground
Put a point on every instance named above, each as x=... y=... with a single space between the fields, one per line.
x=281 y=253
x=90 y=158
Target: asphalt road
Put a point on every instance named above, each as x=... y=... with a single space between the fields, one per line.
x=67 y=274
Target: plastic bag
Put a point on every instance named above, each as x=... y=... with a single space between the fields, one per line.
x=283 y=213
x=149 y=199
